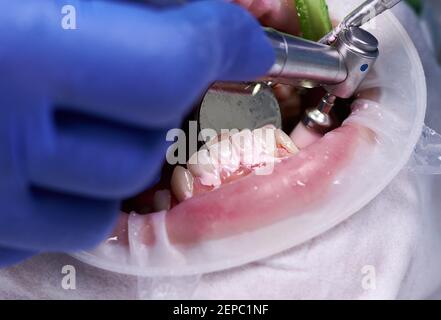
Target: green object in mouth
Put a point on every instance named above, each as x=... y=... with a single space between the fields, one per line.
x=314 y=18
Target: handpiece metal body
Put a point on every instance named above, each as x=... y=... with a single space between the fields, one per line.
x=340 y=68
x=303 y=62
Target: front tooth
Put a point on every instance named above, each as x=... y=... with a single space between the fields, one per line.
x=243 y=142
x=282 y=139
x=264 y=145
x=265 y=139
x=162 y=200
x=182 y=183
x=201 y=165
x=220 y=137
x=225 y=155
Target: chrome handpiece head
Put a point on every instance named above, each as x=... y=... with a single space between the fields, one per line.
x=359 y=51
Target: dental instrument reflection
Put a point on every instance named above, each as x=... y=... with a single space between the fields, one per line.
x=361 y=15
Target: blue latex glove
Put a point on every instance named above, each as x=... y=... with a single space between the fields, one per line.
x=84 y=112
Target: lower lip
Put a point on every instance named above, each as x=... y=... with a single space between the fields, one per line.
x=255 y=201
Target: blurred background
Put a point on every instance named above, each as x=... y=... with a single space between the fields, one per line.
x=430 y=13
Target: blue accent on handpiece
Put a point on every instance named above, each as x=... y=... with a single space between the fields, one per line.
x=364 y=67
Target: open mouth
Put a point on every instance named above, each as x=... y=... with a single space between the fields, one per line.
x=241 y=181
x=201 y=218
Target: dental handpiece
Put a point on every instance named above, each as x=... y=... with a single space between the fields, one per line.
x=339 y=62
x=339 y=68
x=361 y=15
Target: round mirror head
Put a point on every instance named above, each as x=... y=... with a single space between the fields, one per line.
x=239 y=106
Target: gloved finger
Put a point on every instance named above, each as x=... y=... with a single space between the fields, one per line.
x=146 y=66
x=95 y=158
x=51 y=221
x=10 y=256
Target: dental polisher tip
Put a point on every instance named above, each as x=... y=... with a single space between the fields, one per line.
x=316 y=122
x=318 y=118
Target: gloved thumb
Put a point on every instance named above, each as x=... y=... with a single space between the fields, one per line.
x=138 y=64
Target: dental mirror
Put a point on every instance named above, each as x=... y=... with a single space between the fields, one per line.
x=239 y=106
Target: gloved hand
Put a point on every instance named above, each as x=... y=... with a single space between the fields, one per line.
x=84 y=112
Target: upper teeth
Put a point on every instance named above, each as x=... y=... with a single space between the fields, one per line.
x=224 y=155
x=227 y=154
x=203 y=166
x=182 y=183
x=285 y=141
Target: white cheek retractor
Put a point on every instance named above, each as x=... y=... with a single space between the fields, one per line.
x=391 y=107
